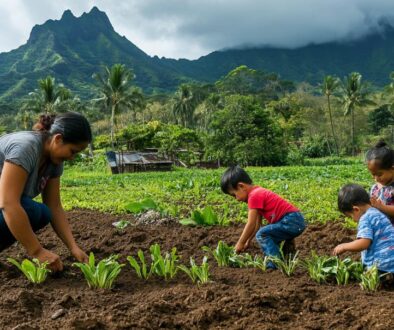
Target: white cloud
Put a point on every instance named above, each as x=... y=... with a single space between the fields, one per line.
x=192 y=28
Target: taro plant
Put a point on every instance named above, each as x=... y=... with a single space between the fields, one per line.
x=140 y=267
x=204 y=217
x=287 y=264
x=36 y=271
x=370 y=279
x=101 y=275
x=164 y=266
x=318 y=267
x=199 y=274
x=258 y=262
x=222 y=253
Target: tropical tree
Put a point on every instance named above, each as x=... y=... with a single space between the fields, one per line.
x=329 y=86
x=355 y=94
x=184 y=105
x=116 y=92
x=49 y=97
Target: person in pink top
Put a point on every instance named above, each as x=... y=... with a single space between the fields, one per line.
x=285 y=221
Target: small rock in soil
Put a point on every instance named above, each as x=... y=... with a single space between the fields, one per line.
x=60 y=312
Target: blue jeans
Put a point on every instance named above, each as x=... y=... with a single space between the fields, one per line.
x=39 y=216
x=270 y=236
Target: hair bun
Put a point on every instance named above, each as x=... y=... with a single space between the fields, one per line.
x=381 y=143
x=44 y=122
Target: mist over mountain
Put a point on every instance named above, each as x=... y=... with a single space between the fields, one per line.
x=73 y=48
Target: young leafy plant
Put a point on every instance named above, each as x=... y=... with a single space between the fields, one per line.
x=140 y=267
x=204 y=217
x=258 y=262
x=101 y=275
x=121 y=224
x=36 y=272
x=144 y=205
x=222 y=253
x=164 y=266
x=370 y=279
x=286 y=264
x=317 y=267
x=199 y=274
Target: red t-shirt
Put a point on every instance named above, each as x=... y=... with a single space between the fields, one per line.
x=269 y=205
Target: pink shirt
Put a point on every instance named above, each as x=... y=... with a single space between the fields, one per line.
x=269 y=205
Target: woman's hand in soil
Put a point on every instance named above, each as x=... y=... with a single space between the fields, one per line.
x=339 y=249
x=80 y=255
x=54 y=262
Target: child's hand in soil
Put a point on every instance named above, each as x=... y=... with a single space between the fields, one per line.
x=54 y=262
x=239 y=247
x=339 y=249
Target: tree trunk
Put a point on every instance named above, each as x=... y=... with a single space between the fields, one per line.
x=112 y=126
x=332 y=126
x=352 y=133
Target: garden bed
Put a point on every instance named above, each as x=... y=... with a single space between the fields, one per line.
x=236 y=299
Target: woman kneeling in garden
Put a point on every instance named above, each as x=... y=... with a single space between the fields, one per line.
x=31 y=162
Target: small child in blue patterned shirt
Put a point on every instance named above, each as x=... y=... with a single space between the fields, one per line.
x=375 y=234
x=380 y=162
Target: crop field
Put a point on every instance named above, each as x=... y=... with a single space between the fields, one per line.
x=166 y=275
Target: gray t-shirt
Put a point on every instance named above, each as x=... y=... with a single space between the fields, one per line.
x=25 y=149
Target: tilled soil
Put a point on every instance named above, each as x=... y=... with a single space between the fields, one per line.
x=236 y=299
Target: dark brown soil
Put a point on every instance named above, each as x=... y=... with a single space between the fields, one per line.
x=236 y=299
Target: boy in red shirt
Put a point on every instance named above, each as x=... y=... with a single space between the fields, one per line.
x=285 y=222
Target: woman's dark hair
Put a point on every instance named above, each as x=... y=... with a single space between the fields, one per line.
x=232 y=177
x=382 y=154
x=73 y=127
x=352 y=195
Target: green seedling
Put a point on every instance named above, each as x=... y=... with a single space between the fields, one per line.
x=121 y=224
x=318 y=267
x=286 y=264
x=258 y=262
x=140 y=267
x=164 y=266
x=101 y=275
x=204 y=217
x=222 y=253
x=370 y=279
x=36 y=271
x=199 y=274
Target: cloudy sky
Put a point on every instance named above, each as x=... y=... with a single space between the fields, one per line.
x=192 y=28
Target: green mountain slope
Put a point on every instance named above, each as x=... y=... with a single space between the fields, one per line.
x=73 y=48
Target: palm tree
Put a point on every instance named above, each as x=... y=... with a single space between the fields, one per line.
x=354 y=95
x=114 y=86
x=48 y=97
x=184 y=105
x=330 y=85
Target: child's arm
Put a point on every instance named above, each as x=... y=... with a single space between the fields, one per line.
x=249 y=230
x=386 y=209
x=256 y=229
x=358 y=245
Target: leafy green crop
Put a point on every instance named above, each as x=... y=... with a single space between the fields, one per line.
x=222 y=253
x=205 y=217
x=286 y=264
x=140 y=267
x=370 y=279
x=144 y=205
x=317 y=267
x=199 y=274
x=164 y=266
x=101 y=275
x=36 y=272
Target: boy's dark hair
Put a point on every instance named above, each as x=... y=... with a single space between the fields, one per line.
x=381 y=153
x=232 y=177
x=352 y=195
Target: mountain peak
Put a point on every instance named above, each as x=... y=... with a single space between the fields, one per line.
x=67 y=15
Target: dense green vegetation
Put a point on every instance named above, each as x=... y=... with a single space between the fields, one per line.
x=178 y=193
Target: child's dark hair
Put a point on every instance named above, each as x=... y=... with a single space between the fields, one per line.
x=382 y=154
x=352 y=195
x=232 y=177
x=73 y=127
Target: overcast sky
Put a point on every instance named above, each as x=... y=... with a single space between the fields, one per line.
x=193 y=28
